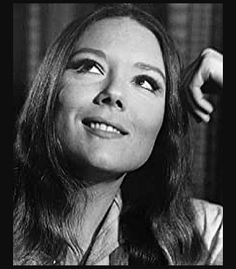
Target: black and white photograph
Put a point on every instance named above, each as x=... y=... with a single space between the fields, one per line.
x=118 y=134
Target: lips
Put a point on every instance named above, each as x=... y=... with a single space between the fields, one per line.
x=101 y=124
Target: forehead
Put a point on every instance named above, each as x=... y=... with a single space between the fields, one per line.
x=123 y=35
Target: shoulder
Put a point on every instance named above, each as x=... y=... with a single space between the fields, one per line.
x=209 y=215
x=209 y=220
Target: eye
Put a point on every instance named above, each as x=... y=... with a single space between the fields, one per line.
x=88 y=66
x=147 y=83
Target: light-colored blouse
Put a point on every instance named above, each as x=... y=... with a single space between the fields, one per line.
x=209 y=221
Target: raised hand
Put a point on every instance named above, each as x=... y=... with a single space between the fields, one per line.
x=207 y=68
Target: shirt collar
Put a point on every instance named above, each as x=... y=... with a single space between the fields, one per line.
x=107 y=238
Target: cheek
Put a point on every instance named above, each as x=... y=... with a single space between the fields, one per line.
x=76 y=93
x=147 y=127
x=69 y=107
x=149 y=118
x=72 y=101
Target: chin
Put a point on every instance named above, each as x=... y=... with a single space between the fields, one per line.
x=107 y=163
x=96 y=163
x=116 y=165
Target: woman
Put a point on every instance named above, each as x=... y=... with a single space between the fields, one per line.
x=102 y=149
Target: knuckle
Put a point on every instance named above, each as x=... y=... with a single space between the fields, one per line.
x=208 y=51
x=209 y=61
x=211 y=57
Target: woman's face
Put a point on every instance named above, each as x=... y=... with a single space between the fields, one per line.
x=112 y=101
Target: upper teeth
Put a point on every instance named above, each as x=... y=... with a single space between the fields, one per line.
x=104 y=127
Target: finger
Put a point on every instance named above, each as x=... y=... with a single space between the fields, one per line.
x=202 y=116
x=196 y=100
x=199 y=100
x=200 y=113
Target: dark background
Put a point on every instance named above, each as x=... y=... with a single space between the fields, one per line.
x=193 y=27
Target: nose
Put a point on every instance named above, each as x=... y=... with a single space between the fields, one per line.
x=112 y=95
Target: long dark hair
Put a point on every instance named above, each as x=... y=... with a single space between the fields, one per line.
x=45 y=191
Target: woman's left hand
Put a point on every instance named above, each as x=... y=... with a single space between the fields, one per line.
x=208 y=67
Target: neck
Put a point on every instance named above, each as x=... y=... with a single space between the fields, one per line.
x=103 y=191
x=100 y=197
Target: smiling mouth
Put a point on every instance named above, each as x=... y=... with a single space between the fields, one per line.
x=101 y=125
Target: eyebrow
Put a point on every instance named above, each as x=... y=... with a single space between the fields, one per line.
x=99 y=53
x=148 y=67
